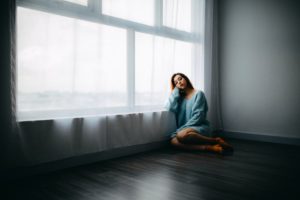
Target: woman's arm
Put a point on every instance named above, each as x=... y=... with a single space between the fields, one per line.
x=199 y=111
x=173 y=100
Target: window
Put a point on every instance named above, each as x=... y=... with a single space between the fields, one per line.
x=155 y=57
x=90 y=57
x=133 y=10
x=178 y=14
x=81 y=2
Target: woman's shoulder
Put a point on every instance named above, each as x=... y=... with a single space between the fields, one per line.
x=199 y=92
x=199 y=95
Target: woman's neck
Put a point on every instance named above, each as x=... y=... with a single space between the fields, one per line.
x=189 y=92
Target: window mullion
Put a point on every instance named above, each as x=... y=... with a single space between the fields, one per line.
x=130 y=68
x=197 y=16
x=158 y=13
x=91 y=4
x=95 y=6
x=197 y=66
x=194 y=54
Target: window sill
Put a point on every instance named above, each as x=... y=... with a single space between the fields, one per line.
x=23 y=116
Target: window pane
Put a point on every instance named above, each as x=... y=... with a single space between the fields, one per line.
x=65 y=63
x=177 y=14
x=157 y=58
x=133 y=10
x=81 y=2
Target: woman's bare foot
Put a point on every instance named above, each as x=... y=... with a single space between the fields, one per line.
x=217 y=148
x=224 y=144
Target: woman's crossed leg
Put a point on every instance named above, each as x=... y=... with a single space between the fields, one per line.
x=189 y=139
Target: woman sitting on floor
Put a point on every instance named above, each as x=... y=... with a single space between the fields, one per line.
x=190 y=108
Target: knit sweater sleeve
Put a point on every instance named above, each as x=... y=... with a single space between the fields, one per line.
x=172 y=102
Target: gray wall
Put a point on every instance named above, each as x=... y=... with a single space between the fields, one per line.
x=260 y=66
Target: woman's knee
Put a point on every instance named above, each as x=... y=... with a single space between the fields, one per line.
x=174 y=141
x=184 y=135
x=186 y=130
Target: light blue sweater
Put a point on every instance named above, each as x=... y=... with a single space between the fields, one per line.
x=190 y=113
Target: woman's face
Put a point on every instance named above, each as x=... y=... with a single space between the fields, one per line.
x=180 y=82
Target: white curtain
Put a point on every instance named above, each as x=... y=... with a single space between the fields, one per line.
x=10 y=140
x=60 y=55
x=66 y=63
x=73 y=62
x=211 y=85
x=52 y=140
x=157 y=58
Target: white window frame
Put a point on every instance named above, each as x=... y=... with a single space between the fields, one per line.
x=93 y=13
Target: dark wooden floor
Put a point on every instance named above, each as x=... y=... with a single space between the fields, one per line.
x=256 y=170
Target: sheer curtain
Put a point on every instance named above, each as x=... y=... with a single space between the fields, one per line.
x=68 y=55
x=11 y=150
x=88 y=57
x=66 y=63
x=212 y=71
x=74 y=61
x=156 y=59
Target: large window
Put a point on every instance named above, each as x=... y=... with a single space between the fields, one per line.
x=91 y=57
x=141 y=11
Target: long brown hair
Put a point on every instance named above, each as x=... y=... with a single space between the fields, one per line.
x=189 y=84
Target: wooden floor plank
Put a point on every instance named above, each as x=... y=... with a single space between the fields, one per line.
x=255 y=170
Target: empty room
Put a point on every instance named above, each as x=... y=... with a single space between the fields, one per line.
x=150 y=99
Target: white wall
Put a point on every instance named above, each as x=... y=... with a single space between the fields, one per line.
x=260 y=66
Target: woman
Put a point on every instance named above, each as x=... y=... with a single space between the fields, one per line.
x=190 y=108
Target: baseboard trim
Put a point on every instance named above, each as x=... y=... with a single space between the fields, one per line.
x=22 y=172
x=260 y=137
